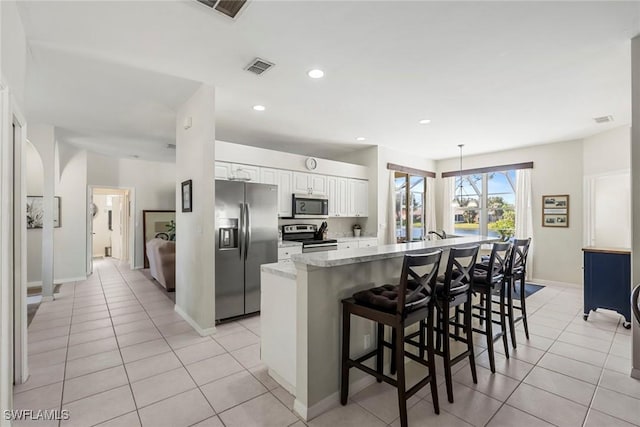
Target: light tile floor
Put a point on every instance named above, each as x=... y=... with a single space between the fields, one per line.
x=113 y=352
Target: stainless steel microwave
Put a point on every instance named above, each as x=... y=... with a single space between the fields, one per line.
x=310 y=206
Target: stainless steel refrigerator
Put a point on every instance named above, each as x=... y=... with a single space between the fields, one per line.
x=246 y=230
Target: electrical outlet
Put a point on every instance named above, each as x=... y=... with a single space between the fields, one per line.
x=367 y=341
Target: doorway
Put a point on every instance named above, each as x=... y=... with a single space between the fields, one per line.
x=109 y=230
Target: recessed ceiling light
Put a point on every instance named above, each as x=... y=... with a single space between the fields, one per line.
x=361 y=138
x=424 y=121
x=316 y=74
x=259 y=107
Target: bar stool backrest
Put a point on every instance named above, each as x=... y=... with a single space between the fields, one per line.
x=461 y=264
x=519 y=256
x=635 y=303
x=425 y=283
x=499 y=261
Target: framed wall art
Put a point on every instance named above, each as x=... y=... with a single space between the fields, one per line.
x=35 y=212
x=186 y=196
x=555 y=211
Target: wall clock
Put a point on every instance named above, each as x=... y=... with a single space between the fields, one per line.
x=311 y=163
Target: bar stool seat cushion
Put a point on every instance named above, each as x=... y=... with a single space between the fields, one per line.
x=385 y=298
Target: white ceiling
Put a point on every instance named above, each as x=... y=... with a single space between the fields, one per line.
x=491 y=75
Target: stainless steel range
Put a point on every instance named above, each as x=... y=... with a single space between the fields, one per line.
x=310 y=237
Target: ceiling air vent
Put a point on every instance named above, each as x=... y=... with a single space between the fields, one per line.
x=259 y=66
x=171 y=146
x=227 y=7
x=603 y=119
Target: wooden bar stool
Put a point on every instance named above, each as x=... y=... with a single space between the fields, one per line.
x=489 y=280
x=453 y=290
x=518 y=271
x=398 y=307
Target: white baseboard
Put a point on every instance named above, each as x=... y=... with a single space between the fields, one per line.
x=193 y=323
x=635 y=373
x=554 y=283
x=330 y=401
x=37 y=284
x=284 y=383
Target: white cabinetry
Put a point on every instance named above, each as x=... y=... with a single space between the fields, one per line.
x=367 y=243
x=223 y=170
x=269 y=176
x=337 y=190
x=285 y=253
x=246 y=172
x=309 y=183
x=358 y=197
x=226 y=170
x=284 y=182
x=347 y=245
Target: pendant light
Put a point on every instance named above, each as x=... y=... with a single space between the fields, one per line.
x=457 y=201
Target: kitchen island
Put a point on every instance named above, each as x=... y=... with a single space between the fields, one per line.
x=301 y=316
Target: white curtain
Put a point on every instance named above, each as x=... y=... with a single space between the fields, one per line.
x=448 y=194
x=430 y=205
x=524 y=212
x=390 y=231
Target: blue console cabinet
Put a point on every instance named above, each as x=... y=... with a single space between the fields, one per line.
x=607 y=281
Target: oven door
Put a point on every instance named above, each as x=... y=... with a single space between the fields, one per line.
x=305 y=206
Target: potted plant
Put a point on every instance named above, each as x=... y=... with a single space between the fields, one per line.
x=356 y=230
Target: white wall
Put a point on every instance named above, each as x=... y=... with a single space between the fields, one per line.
x=607 y=151
x=153 y=183
x=557 y=170
x=70 y=238
x=35 y=179
x=195 y=256
x=14 y=50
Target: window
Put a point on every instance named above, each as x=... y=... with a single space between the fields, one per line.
x=488 y=204
x=410 y=207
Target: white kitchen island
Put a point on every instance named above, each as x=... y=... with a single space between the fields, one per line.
x=301 y=316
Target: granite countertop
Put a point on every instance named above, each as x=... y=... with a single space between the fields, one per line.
x=288 y=244
x=374 y=253
x=283 y=269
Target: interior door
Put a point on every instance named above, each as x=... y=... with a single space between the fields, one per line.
x=229 y=249
x=262 y=238
x=116 y=227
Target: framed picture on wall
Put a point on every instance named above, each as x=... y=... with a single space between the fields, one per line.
x=186 y=196
x=555 y=211
x=35 y=212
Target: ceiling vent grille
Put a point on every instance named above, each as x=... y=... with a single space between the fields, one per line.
x=230 y=8
x=171 y=146
x=603 y=119
x=259 y=66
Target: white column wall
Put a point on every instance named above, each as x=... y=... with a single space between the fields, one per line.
x=635 y=193
x=42 y=136
x=195 y=257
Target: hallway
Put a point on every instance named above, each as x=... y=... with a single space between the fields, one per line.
x=112 y=350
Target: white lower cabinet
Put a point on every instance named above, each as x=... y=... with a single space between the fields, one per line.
x=367 y=243
x=285 y=253
x=347 y=245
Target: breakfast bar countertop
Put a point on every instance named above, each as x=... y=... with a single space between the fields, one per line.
x=376 y=253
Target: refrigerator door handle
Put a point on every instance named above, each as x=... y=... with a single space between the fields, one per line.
x=247 y=211
x=242 y=231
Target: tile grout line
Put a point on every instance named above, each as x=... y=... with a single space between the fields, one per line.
x=64 y=374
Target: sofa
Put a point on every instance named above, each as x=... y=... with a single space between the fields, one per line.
x=162 y=262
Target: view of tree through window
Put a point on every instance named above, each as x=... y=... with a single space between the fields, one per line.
x=492 y=197
x=410 y=209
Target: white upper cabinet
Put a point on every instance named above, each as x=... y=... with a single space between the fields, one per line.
x=358 y=198
x=285 y=190
x=269 y=176
x=245 y=172
x=337 y=192
x=308 y=183
x=223 y=170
